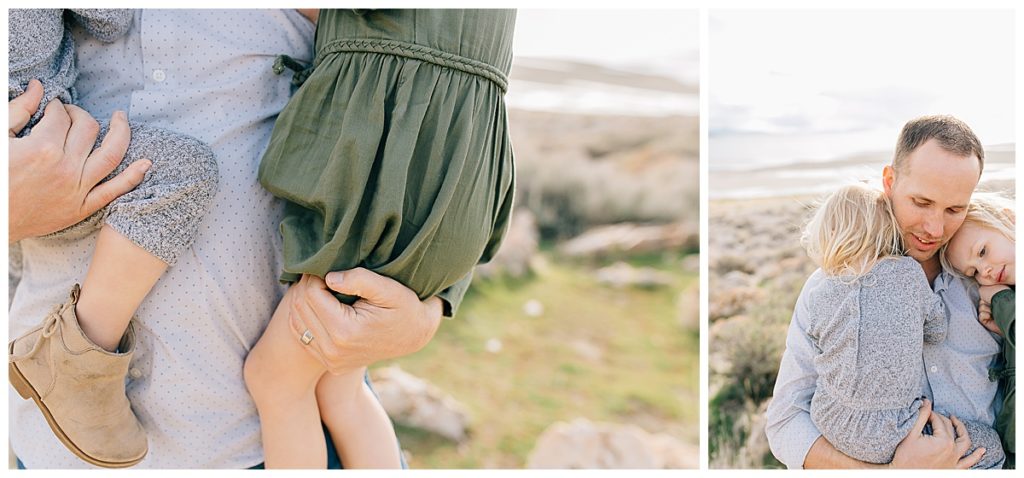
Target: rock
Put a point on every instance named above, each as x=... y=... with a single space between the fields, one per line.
x=416 y=403
x=587 y=350
x=622 y=275
x=493 y=346
x=533 y=308
x=586 y=445
x=631 y=239
x=732 y=278
x=518 y=248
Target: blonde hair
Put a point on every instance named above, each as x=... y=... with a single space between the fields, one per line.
x=851 y=231
x=990 y=210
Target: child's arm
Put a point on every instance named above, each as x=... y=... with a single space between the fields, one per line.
x=1004 y=315
x=986 y=314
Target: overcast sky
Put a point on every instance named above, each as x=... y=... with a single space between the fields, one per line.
x=615 y=36
x=845 y=71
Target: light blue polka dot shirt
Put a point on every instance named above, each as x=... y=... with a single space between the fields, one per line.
x=204 y=73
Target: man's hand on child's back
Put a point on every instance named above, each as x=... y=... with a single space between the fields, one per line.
x=944 y=448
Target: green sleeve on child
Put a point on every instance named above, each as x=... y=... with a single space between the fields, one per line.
x=1004 y=314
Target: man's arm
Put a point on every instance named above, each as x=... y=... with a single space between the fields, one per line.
x=938 y=450
x=792 y=436
x=824 y=456
x=55 y=175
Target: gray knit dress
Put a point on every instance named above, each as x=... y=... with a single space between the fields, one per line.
x=871 y=331
x=162 y=214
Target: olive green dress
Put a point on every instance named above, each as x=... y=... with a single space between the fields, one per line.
x=394 y=154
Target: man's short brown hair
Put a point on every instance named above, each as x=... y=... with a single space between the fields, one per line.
x=952 y=134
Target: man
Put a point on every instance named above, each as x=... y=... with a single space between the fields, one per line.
x=208 y=74
x=937 y=165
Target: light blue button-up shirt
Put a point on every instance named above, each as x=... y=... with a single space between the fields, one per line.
x=955 y=371
x=208 y=74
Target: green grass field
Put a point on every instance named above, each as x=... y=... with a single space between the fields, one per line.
x=616 y=355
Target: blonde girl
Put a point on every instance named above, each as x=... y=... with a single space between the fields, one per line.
x=983 y=249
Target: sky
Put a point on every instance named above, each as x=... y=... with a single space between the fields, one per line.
x=650 y=42
x=859 y=74
x=648 y=38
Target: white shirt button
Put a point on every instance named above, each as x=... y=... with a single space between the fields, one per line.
x=934 y=369
x=159 y=75
x=134 y=373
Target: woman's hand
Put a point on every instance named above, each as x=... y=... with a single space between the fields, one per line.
x=388 y=320
x=54 y=172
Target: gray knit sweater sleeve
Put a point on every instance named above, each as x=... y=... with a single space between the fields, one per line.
x=39 y=46
x=106 y=24
x=936 y=317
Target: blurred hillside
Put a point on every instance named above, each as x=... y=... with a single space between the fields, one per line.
x=589 y=314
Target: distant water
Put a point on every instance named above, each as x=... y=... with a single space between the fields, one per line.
x=753 y=151
x=664 y=88
x=744 y=166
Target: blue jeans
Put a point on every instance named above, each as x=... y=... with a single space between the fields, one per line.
x=333 y=461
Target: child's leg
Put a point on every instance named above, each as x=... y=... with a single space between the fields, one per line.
x=282 y=378
x=145 y=230
x=360 y=428
x=120 y=275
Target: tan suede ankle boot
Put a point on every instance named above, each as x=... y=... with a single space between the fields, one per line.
x=79 y=387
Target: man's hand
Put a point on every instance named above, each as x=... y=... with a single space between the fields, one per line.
x=54 y=172
x=944 y=448
x=387 y=321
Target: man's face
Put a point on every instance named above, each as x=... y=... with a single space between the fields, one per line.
x=930 y=196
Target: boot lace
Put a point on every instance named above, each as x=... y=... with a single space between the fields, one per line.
x=51 y=324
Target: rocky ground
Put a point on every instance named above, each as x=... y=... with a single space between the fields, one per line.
x=756 y=269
